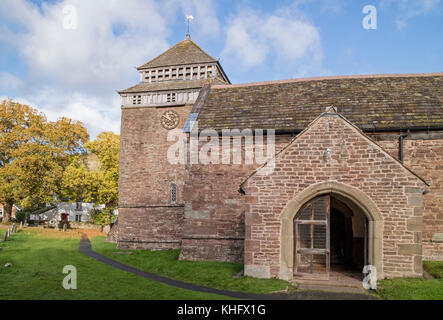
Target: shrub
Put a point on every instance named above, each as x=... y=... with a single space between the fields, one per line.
x=102 y=217
x=24 y=214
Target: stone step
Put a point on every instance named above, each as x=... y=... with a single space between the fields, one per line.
x=330 y=288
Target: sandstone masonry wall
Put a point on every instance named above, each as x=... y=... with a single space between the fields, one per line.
x=148 y=218
x=423 y=153
x=150 y=228
x=353 y=161
x=214 y=209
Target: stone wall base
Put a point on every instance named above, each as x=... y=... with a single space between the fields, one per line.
x=112 y=235
x=432 y=251
x=226 y=250
x=257 y=271
x=146 y=245
x=150 y=228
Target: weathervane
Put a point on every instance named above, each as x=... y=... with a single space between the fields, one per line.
x=189 y=18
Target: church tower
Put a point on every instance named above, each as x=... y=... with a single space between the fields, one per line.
x=151 y=205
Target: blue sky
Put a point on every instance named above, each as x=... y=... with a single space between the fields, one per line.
x=75 y=72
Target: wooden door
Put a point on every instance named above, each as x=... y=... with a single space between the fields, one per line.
x=312 y=239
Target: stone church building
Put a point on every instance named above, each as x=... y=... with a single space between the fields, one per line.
x=357 y=173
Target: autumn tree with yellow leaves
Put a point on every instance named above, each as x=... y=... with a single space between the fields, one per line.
x=99 y=186
x=34 y=154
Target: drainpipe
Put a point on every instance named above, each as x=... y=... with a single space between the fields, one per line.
x=400 y=145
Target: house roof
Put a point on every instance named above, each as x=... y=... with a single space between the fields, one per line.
x=332 y=111
x=184 y=52
x=375 y=102
x=44 y=209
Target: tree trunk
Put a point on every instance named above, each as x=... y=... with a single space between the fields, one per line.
x=7 y=212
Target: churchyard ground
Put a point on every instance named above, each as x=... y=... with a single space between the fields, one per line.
x=219 y=275
x=38 y=256
x=416 y=289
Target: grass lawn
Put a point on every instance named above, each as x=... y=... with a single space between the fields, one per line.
x=434 y=268
x=416 y=289
x=38 y=257
x=211 y=274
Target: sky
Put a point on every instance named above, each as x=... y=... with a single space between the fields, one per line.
x=69 y=57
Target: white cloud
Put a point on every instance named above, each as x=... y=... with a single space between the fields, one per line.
x=19 y=100
x=409 y=9
x=9 y=82
x=206 y=23
x=284 y=36
x=401 y=24
x=98 y=117
x=333 y=6
x=91 y=56
x=75 y=73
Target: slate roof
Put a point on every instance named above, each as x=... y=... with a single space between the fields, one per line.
x=376 y=102
x=165 y=86
x=331 y=111
x=44 y=209
x=184 y=52
x=169 y=85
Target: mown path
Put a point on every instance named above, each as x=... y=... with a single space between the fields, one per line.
x=85 y=247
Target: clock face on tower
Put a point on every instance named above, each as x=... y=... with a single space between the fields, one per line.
x=170 y=120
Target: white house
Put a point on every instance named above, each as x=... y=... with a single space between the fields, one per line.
x=77 y=212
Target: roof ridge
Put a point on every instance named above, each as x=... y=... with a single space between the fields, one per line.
x=311 y=124
x=161 y=54
x=203 y=51
x=143 y=66
x=344 y=77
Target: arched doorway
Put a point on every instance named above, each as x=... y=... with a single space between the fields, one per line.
x=329 y=238
x=345 y=201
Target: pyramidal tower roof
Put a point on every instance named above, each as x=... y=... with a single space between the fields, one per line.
x=184 y=52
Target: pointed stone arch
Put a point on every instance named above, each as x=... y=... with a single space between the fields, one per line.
x=355 y=198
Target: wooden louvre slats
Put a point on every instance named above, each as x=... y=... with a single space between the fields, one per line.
x=312 y=239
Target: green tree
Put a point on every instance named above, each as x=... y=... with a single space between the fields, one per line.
x=107 y=148
x=101 y=185
x=34 y=154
